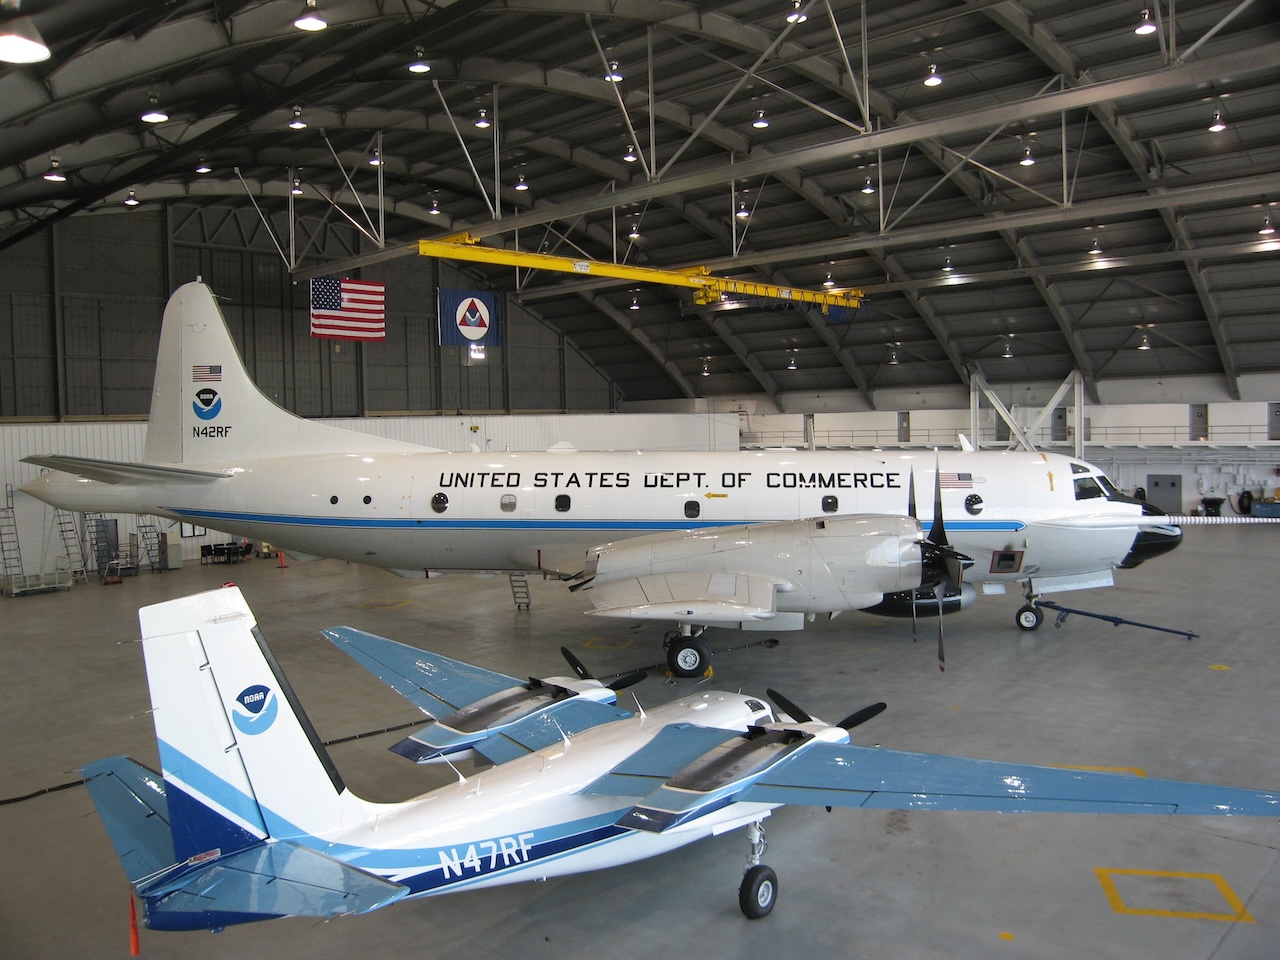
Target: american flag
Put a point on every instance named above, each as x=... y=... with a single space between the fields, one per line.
x=955 y=481
x=206 y=373
x=348 y=309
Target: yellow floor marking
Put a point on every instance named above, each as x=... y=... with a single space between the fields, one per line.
x=609 y=643
x=1131 y=771
x=383 y=604
x=1005 y=935
x=1218 y=666
x=1238 y=912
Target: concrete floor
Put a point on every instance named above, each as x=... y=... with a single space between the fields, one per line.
x=853 y=883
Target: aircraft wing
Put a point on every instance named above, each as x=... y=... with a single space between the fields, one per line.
x=565 y=719
x=114 y=471
x=847 y=775
x=435 y=684
x=706 y=598
x=673 y=749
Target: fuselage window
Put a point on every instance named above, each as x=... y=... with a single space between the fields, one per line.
x=1079 y=468
x=692 y=508
x=562 y=503
x=1087 y=488
x=830 y=504
x=333 y=500
x=440 y=503
x=508 y=502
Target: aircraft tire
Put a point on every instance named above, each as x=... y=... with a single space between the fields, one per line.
x=759 y=892
x=688 y=656
x=1029 y=617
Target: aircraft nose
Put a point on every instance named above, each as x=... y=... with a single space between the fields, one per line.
x=1152 y=541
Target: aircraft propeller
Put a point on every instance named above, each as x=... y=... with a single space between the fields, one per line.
x=854 y=719
x=942 y=566
x=624 y=681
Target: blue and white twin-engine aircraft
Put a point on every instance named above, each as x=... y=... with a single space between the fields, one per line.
x=250 y=819
x=763 y=539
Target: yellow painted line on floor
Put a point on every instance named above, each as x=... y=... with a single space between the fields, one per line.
x=609 y=643
x=1218 y=666
x=1131 y=771
x=1005 y=935
x=1238 y=914
x=383 y=604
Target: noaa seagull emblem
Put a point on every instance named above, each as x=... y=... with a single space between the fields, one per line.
x=256 y=709
x=472 y=319
x=207 y=403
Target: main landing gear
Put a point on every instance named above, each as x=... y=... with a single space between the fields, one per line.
x=759 y=890
x=688 y=654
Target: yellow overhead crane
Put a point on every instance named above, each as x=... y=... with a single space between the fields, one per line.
x=707 y=288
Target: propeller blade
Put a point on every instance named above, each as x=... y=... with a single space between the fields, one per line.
x=859 y=717
x=939 y=591
x=626 y=680
x=577 y=665
x=911 y=496
x=794 y=712
x=938 y=532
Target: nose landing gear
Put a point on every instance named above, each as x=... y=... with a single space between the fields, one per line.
x=759 y=890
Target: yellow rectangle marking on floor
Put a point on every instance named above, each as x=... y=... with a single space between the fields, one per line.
x=1238 y=914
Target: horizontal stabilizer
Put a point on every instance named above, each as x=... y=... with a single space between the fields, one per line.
x=131 y=801
x=273 y=879
x=693 y=595
x=435 y=684
x=113 y=471
x=845 y=775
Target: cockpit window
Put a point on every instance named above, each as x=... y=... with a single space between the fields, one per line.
x=1079 y=468
x=1108 y=486
x=1087 y=488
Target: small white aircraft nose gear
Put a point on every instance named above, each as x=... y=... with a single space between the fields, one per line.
x=759 y=890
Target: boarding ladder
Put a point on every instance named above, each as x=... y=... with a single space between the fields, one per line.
x=72 y=548
x=10 y=552
x=149 y=538
x=519 y=590
x=99 y=547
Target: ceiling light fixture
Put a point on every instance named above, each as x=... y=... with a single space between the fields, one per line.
x=1145 y=344
x=829 y=282
x=630 y=155
x=434 y=210
x=742 y=212
x=796 y=16
x=309 y=19
x=932 y=77
x=706 y=368
x=153 y=113
x=1027 y=159
x=418 y=64
x=761 y=121
x=376 y=159
x=1146 y=25
x=482 y=121
x=635 y=304
x=613 y=74
x=791 y=364
x=947 y=266
x=521 y=185
x=1096 y=249
x=1266 y=229
x=297 y=123
x=203 y=166
x=634 y=233
x=1008 y=350
x=296 y=189
x=54 y=175
x=893 y=358
x=1218 y=124
x=132 y=199
x=20 y=41
x=868 y=187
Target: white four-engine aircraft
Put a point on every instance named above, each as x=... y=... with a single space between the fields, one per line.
x=758 y=539
x=251 y=820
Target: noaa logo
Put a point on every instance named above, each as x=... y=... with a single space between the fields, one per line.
x=255 y=710
x=207 y=404
x=472 y=318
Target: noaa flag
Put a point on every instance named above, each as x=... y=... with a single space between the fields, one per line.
x=469 y=317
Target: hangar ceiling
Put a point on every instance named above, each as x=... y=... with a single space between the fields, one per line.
x=1073 y=195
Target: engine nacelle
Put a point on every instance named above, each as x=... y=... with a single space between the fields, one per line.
x=816 y=566
x=925 y=602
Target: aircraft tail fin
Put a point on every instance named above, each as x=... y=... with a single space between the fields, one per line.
x=223 y=835
x=205 y=408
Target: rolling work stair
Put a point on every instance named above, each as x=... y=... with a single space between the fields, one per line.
x=77 y=563
x=519 y=590
x=17 y=582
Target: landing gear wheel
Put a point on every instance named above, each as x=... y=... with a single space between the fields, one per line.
x=1029 y=617
x=688 y=656
x=759 y=892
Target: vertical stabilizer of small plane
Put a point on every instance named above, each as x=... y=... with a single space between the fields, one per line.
x=205 y=408
x=250 y=755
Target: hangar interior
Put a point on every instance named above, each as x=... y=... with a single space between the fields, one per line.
x=1035 y=204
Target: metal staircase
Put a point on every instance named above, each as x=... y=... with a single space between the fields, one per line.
x=16 y=582
x=72 y=548
x=519 y=590
x=149 y=546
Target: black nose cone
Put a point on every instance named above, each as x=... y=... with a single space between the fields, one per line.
x=1151 y=542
